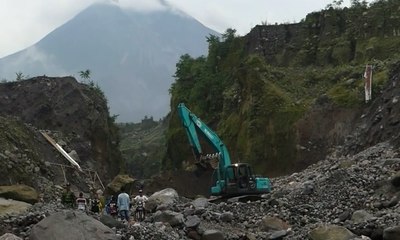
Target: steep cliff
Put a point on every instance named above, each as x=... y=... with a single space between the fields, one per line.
x=74 y=114
x=331 y=37
x=283 y=96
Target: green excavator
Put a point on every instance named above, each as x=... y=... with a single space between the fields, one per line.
x=229 y=179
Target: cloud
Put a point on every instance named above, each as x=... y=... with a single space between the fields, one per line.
x=24 y=22
x=29 y=62
x=140 y=5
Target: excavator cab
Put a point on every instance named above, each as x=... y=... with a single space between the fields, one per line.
x=239 y=179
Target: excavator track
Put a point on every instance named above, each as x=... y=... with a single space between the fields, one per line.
x=233 y=199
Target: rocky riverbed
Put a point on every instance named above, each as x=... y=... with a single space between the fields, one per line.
x=341 y=197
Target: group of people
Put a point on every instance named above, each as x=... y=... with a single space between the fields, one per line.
x=95 y=204
x=125 y=203
x=115 y=206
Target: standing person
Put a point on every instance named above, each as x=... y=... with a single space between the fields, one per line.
x=102 y=200
x=123 y=204
x=68 y=197
x=140 y=200
x=111 y=207
x=95 y=204
x=81 y=202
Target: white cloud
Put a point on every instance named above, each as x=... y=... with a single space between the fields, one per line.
x=140 y=5
x=24 y=22
x=31 y=60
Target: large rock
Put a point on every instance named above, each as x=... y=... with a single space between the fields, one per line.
x=200 y=202
x=168 y=216
x=19 y=192
x=212 y=234
x=120 y=181
x=192 y=221
x=226 y=217
x=111 y=222
x=273 y=224
x=71 y=225
x=9 y=236
x=165 y=197
x=396 y=180
x=392 y=233
x=12 y=207
x=361 y=216
x=331 y=232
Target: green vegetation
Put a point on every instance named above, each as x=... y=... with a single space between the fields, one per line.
x=253 y=97
x=143 y=146
x=20 y=76
x=85 y=74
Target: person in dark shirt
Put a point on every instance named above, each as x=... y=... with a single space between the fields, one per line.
x=111 y=207
x=95 y=205
x=68 y=197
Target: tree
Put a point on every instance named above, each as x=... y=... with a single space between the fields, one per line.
x=85 y=74
x=336 y=4
x=20 y=76
x=213 y=45
x=358 y=3
x=229 y=35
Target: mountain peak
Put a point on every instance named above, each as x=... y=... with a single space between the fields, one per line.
x=131 y=53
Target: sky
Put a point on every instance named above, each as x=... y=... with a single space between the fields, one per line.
x=25 y=22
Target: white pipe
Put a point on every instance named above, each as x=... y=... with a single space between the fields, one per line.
x=68 y=157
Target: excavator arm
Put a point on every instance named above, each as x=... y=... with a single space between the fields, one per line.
x=194 y=125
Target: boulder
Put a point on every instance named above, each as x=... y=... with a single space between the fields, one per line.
x=119 y=181
x=19 y=192
x=165 y=197
x=9 y=236
x=192 y=234
x=331 y=232
x=71 y=225
x=8 y=206
x=74 y=156
x=273 y=224
x=396 y=180
x=111 y=222
x=192 y=221
x=391 y=233
x=212 y=234
x=168 y=216
x=226 y=217
x=200 y=203
x=360 y=216
x=278 y=235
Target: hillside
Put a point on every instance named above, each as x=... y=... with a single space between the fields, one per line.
x=131 y=55
x=283 y=96
x=75 y=115
x=143 y=146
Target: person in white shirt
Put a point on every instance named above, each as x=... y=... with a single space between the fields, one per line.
x=81 y=202
x=123 y=203
x=141 y=199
